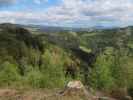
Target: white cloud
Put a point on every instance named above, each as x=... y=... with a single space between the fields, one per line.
x=77 y=12
x=96 y=11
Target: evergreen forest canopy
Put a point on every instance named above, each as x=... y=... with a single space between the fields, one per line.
x=100 y=58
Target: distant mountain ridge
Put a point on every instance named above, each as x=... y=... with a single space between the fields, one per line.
x=45 y=28
x=48 y=29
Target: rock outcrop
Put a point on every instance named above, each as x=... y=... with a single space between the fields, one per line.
x=76 y=88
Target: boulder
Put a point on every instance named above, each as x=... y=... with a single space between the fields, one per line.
x=77 y=89
x=75 y=85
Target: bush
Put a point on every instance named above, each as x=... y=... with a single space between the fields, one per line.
x=52 y=68
x=112 y=71
x=100 y=77
x=8 y=74
x=35 y=79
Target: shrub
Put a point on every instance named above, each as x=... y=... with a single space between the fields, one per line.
x=112 y=71
x=52 y=68
x=101 y=73
x=8 y=74
x=35 y=79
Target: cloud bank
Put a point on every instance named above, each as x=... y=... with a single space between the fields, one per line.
x=81 y=13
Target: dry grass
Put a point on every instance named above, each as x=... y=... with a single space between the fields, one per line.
x=46 y=94
x=10 y=94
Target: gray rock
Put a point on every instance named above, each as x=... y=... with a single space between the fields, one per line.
x=75 y=85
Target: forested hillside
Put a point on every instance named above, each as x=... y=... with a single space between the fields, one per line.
x=101 y=59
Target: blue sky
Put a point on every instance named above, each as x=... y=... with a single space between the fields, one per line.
x=72 y=13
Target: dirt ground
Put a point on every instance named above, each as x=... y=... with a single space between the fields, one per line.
x=12 y=94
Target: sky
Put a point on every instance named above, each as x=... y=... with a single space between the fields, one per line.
x=68 y=13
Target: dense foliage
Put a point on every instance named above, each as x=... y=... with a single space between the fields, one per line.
x=101 y=58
